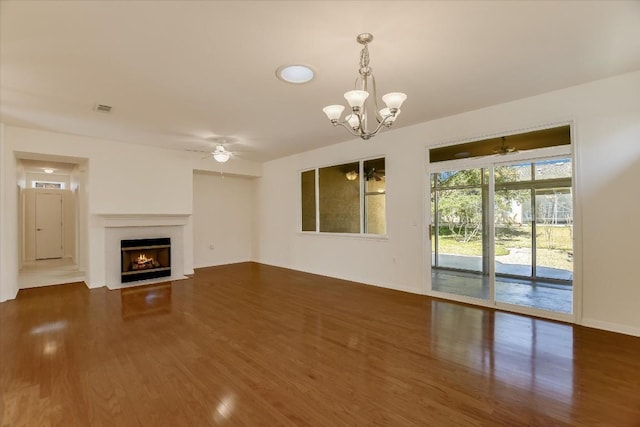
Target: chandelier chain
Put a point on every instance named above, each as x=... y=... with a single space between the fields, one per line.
x=365 y=70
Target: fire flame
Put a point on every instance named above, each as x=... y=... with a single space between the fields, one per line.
x=142 y=258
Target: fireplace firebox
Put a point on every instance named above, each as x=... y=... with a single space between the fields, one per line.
x=144 y=259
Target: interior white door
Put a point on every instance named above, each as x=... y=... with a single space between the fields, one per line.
x=48 y=226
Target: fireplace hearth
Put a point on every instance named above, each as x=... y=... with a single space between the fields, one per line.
x=144 y=259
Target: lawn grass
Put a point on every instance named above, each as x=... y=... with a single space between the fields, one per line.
x=450 y=245
x=555 y=244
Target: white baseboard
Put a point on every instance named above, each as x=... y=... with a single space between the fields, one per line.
x=391 y=286
x=4 y=298
x=91 y=285
x=611 y=327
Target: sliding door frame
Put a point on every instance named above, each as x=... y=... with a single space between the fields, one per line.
x=566 y=151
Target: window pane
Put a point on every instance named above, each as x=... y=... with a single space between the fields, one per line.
x=466 y=177
x=513 y=173
x=308 y=180
x=513 y=235
x=339 y=199
x=375 y=208
x=374 y=201
x=459 y=231
x=487 y=147
x=42 y=184
x=553 y=169
x=554 y=226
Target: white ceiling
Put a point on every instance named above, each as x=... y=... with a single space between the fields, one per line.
x=38 y=166
x=179 y=73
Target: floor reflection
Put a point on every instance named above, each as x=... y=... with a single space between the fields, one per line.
x=509 y=350
x=146 y=300
x=225 y=408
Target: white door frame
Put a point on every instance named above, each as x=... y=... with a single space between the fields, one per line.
x=490 y=161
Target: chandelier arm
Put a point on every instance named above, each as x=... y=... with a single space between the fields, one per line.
x=363 y=133
x=348 y=127
x=382 y=123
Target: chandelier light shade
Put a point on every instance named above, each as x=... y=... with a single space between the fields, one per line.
x=353 y=121
x=333 y=111
x=363 y=101
x=356 y=98
x=394 y=100
x=386 y=112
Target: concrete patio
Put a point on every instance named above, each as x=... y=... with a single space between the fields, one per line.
x=537 y=293
x=506 y=264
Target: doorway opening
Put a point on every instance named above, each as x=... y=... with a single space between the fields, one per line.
x=52 y=220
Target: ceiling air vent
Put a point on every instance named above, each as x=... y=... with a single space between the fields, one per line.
x=101 y=108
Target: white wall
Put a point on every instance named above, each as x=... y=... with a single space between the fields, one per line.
x=9 y=218
x=7 y=290
x=80 y=187
x=606 y=125
x=121 y=179
x=69 y=219
x=223 y=216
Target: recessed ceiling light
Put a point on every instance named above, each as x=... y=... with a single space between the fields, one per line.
x=48 y=170
x=296 y=74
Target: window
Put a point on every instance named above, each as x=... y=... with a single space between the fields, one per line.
x=345 y=198
x=339 y=199
x=553 y=137
x=374 y=197
x=48 y=184
x=308 y=184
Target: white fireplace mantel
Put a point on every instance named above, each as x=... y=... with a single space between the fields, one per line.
x=143 y=220
x=119 y=227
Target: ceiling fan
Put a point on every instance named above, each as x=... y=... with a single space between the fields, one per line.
x=373 y=174
x=504 y=148
x=220 y=154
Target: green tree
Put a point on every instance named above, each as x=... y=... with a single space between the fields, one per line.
x=460 y=200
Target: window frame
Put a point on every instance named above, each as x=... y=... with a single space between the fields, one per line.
x=362 y=200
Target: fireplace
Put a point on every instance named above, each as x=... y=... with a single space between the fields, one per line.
x=144 y=259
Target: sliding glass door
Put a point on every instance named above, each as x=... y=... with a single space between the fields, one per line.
x=458 y=206
x=524 y=255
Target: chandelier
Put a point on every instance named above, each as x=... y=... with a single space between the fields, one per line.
x=361 y=109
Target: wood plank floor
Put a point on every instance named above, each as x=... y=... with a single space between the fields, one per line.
x=254 y=345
